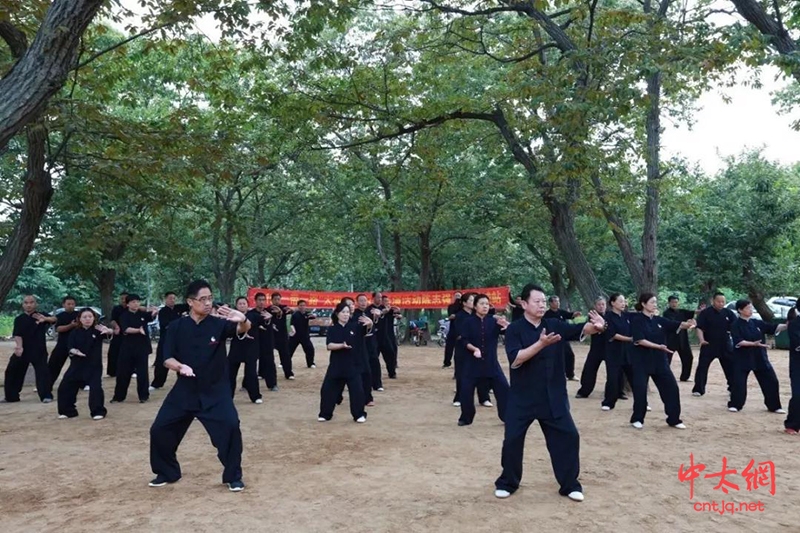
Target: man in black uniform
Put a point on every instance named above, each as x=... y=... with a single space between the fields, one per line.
x=281 y=333
x=299 y=334
x=266 y=345
x=66 y=321
x=713 y=332
x=556 y=312
x=166 y=316
x=450 y=340
x=393 y=314
x=382 y=317
x=515 y=304
x=596 y=356
x=30 y=348
x=679 y=342
x=135 y=350
x=195 y=349
x=116 y=341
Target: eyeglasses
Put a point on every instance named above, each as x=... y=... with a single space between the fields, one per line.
x=204 y=299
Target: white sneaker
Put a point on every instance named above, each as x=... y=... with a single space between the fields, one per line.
x=133 y=376
x=696 y=394
x=733 y=410
x=690 y=380
x=456 y=404
x=680 y=426
x=487 y=403
x=605 y=408
x=150 y=388
x=361 y=419
x=649 y=408
x=62 y=417
x=313 y=366
x=86 y=388
x=98 y=417
x=258 y=401
x=500 y=493
x=637 y=425
x=576 y=496
x=380 y=389
x=291 y=377
x=320 y=419
x=779 y=411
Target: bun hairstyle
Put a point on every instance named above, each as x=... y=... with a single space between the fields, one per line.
x=341 y=306
x=643 y=299
x=465 y=297
x=613 y=297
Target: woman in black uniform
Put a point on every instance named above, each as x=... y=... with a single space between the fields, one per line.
x=344 y=367
x=618 y=363
x=244 y=350
x=750 y=355
x=85 y=348
x=650 y=360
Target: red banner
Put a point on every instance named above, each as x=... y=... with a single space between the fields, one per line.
x=498 y=296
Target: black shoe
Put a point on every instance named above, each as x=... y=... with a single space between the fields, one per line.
x=462 y=423
x=445 y=366
x=393 y=376
x=160 y=481
x=143 y=401
x=236 y=486
x=580 y=396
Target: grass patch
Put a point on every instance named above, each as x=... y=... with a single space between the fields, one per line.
x=6 y=325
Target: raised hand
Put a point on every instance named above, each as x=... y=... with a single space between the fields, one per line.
x=597 y=320
x=231 y=315
x=38 y=317
x=549 y=338
x=104 y=330
x=364 y=321
x=501 y=321
x=266 y=315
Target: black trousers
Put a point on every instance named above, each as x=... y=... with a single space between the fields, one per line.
x=79 y=373
x=282 y=345
x=449 y=347
x=664 y=380
x=308 y=348
x=569 y=360
x=498 y=383
x=687 y=358
x=708 y=353
x=15 y=375
x=130 y=363
x=482 y=387
x=250 y=374
x=765 y=375
x=331 y=391
x=563 y=444
x=389 y=354
x=221 y=422
x=793 y=417
x=266 y=366
x=160 y=372
x=113 y=355
x=589 y=373
x=58 y=357
x=615 y=372
x=375 y=372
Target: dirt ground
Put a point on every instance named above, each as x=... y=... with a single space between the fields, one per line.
x=409 y=468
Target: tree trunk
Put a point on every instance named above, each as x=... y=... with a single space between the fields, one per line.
x=397 y=277
x=755 y=293
x=36 y=198
x=226 y=282
x=649 y=281
x=106 y=280
x=779 y=37
x=43 y=69
x=425 y=253
x=562 y=227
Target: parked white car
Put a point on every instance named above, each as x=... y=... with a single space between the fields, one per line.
x=781 y=305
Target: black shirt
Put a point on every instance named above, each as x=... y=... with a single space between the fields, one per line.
x=752 y=330
x=89 y=342
x=279 y=319
x=34 y=341
x=716 y=325
x=483 y=334
x=264 y=328
x=458 y=328
x=517 y=311
x=247 y=345
x=653 y=329
x=202 y=347
x=539 y=386
x=116 y=312
x=65 y=318
x=616 y=350
x=559 y=314
x=135 y=342
x=167 y=315
x=300 y=323
x=678 y=315
x=348 y=362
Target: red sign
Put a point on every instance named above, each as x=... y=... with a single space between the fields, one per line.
x=498 y=296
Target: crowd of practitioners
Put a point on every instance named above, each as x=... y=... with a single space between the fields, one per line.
x=636 y=347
